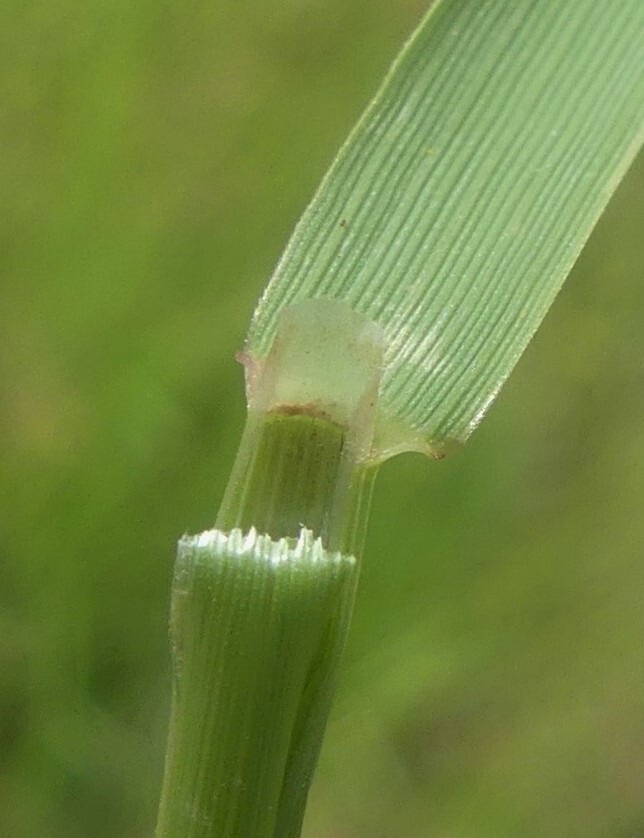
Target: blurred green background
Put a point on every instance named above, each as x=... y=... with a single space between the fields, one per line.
x=153 y=159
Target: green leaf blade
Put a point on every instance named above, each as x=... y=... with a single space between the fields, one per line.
x=461 y=200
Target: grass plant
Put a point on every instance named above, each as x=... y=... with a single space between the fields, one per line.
x=153 y=161
x=405 y=297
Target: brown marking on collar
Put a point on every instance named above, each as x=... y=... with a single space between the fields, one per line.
x=310 y=409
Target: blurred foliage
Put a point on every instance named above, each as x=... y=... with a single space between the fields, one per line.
x=153 y=159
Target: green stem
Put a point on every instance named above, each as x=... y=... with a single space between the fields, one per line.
x=295 y=471
x=258 y=624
